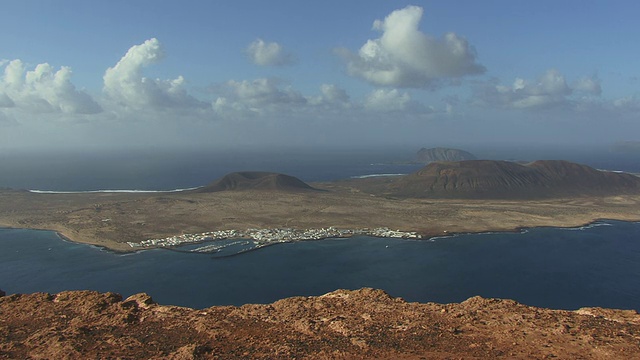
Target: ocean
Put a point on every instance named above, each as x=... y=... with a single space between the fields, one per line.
x=163 y=169
x=596 y=265
x=557 y=268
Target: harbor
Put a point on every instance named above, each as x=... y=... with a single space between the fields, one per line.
x=264 y=237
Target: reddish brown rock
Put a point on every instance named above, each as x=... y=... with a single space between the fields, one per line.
x=343 y=324
x=490 y=179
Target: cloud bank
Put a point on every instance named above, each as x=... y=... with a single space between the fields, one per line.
x=403 y=56
x=588 y=85
x=549 y=90
x=268 y=54
x=387 y=100
x=332 y=95
x=241 y=98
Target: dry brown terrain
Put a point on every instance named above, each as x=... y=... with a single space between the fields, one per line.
x=341 y=325
x=491 y=179
x=112 y=219
x=361 y=324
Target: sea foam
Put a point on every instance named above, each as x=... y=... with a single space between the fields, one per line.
x=110 y=191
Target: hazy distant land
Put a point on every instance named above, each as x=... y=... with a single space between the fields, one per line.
x=440 y=199
x=429 y=155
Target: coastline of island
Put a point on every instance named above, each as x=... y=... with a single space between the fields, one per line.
x=272 y=236
x=262 y=205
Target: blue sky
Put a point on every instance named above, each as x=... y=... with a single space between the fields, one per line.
x=81 y=74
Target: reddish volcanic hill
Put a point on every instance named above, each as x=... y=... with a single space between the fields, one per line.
x=256 y=180
x=360 y=324
x=504 y=179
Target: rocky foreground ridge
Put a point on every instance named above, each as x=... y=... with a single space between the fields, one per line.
x=343 y=324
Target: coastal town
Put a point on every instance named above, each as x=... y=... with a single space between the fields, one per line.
x=264 y=237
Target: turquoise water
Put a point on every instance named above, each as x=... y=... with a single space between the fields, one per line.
x=550 y=267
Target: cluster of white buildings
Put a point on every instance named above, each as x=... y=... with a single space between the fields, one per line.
x=266 y=236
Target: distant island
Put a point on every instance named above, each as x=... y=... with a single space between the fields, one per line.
x=426 y=156
x=626 y=147
x=442 y=198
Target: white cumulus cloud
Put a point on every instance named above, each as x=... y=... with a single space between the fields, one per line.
x=627 y=103
x=332 y=93
x=588 y=85
x=268 y=54
x=403 y=56
x=256 y=96
x=43 y=89
x=331 y=96
x=387 y=100
x=125 y=84
x=548 y=90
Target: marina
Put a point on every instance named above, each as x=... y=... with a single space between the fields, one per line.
x=264 y=237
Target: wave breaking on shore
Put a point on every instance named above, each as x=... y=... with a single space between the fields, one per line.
x=112 y=191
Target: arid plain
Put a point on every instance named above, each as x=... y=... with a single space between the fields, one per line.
x=112 y=219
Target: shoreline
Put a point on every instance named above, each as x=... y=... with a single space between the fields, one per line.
x=425 y=236
x=62 y=236
x=112 y=220
x=113 y=191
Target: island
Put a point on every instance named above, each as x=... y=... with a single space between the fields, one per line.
x=429 y=155
x=443 y=198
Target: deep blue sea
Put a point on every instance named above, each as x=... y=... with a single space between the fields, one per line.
x=558 y=268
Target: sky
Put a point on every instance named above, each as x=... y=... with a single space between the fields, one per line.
x=144 y=74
